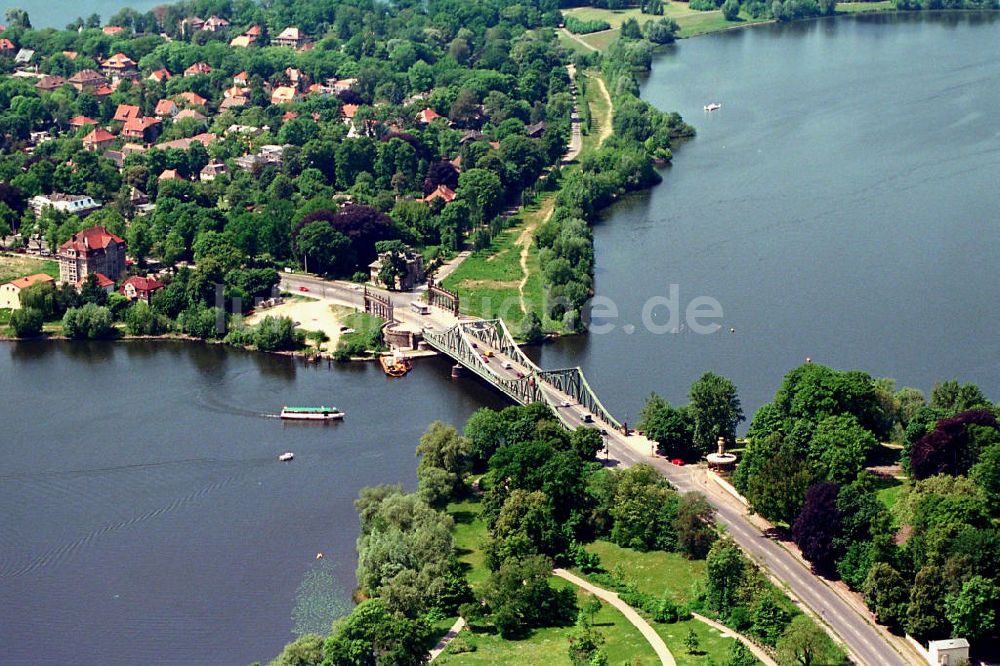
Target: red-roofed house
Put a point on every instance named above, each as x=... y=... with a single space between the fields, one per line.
x=102 y=91
x=103 y=282
x=98 y=139
x=192 y=99
x=141 y=288
x=234 y=91
x=141 y=129
x=93 y=250
x=159 y=75
x=441 y=192
x=169 y=174
x=198 y=68
x=120 y=66
x=76 y=122
x=10 y=292
x=112 y=29
x=70 y=54
x=427 y=115
x=126 y=112
x=189 y=114
x=241 y=80
x=165 y=108
x=6 y=46
x=348 y=111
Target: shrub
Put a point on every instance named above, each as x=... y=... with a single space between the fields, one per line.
x=90 y=322
x=26 y=322
x=581 y=27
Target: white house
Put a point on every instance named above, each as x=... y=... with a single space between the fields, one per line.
x=10 y=292
x=68 y=203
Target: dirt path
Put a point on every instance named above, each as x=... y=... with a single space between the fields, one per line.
x=524 y=240
x=609 y=119
x=630 y=614
x=312 y=315
x=580 y=41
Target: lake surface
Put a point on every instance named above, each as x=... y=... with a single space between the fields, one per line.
x=145 y=517
x=58 y=13
x=842 y=205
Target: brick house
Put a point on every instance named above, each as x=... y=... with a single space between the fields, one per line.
x=93 y=250
x=141 y=288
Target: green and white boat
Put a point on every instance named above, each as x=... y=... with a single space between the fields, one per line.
x=321 y=413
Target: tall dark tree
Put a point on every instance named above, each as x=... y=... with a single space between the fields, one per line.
x=817 y=527
x=950 y=447
x=716 y=410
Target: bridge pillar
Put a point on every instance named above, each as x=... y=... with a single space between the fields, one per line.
x=457 y=371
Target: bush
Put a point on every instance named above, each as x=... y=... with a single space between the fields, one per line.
x=26 y=322
x=580 y=27
x=141 y=320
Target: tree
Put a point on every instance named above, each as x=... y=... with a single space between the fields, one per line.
x=774 y=478
x=887 y=594
x=691 y=641
x=953 y=397
x=768 y=619
x=694 y=525
x=924 y=614
x=326 y=249
x=740 y=655
x=306 y=650
x=805 y=644
x=726 y=568
x=731 y=10
x=951 y=447
x=672 y=428
x=986 y=474
x=372 y=634
x=715 y=410
x=90 y=322
x=531 y=329
x=814 y=392
x=26 y=322
x=644 y=510
x=518 y=597
x=141 y=319
x=482 y=191
x=818 y=526
x=92 y=292
x=972 y=612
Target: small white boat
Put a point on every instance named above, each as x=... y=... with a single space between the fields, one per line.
x=714 y=106
x=286 y=456
x=323 y=413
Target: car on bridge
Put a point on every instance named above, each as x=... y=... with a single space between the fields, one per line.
x=588 y=418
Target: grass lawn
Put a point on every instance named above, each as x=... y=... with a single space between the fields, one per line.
x=600 y=112
x=657 y=572
x=469 y=532
x=18 y=265
x=691 y=21
x=5 y=316
x=861 y=7
x=365 y=336
x=889 y=493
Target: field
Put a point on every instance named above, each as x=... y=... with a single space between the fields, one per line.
x=18 y=265
x=624 y=643
x=365 y=336
x=861 y=7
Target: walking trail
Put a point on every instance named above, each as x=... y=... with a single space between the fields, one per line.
x=525 y=239
x=630 y=614
x=447 y=638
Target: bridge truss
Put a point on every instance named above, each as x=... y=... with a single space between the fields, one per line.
x=465 y=341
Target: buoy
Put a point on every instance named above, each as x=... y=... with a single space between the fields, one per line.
x=732 y=330
x=809 y=359
x=319 y=556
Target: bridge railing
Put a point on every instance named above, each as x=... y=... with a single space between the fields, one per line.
x=573 y=382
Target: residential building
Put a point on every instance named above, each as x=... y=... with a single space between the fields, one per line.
x=159 y=75
x=24 y=57
x=126 y=112
x=88 y=80
x=169 y=174
x=535 y=131
x=76 y=122
x=290 y=36
x=112 y=29
x=414 y=270
x=233 y=103
x=198 y=68
x=427 y=116
x=189 y=114
x=442 y=191
x=192 y=24
x=98 y=139
x=79 y=204
x=165 y=108
x=241 y=80
x=241 y=42
x=341 y=85
x=10 y=292
x=284 y=95
x=7 y=47
x=142 y=129
x=206 y=139
x=212 y=170
x=103 y=282
x=93 y=250
x=191 y=99
x=50 y=83
x=215 y=24
x=120 y=66
x=141 y=288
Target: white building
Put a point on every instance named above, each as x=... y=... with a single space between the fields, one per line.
x=78 y=204
x=10 y=292
x=948 y=652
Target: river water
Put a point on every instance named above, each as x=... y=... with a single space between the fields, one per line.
x=841 y=205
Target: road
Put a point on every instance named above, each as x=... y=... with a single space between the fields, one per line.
x=862 y=639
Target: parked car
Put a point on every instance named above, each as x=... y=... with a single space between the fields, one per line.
x=678 y=462
x=303 y=288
